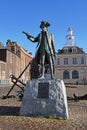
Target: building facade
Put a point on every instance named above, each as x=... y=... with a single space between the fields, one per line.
x=13 y=59
x=71 y=62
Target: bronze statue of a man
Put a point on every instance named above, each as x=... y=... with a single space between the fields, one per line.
x=45 y=50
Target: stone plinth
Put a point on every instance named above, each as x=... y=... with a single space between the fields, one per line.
x=45 y=98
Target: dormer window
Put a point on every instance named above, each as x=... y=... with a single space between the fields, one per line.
x=65 y=50
x=74 y=49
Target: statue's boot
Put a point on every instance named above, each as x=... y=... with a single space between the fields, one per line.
x=52 y=74
x=42 y=76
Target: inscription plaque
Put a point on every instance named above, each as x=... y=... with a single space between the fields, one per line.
x=43 y=90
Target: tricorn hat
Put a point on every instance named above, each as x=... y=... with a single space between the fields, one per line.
x=44 y=24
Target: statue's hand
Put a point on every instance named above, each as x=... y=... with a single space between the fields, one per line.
x=27 y=34
x=23 y=32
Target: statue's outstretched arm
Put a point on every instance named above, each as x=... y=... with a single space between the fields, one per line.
x=29 y=36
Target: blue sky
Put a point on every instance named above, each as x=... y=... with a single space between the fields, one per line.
x=19 y=15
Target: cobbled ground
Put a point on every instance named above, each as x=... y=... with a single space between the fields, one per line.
x=10 y=107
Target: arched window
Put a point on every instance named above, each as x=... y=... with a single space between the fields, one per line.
x=66 y=74
x=75 y=74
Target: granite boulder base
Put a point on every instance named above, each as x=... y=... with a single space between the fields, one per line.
x=44 y=98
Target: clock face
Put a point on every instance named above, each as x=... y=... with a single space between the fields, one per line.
x=69 y=37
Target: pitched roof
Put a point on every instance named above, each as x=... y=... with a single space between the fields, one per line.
x=71 y=50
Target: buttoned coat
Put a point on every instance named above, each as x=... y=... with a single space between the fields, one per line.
x=46 y=45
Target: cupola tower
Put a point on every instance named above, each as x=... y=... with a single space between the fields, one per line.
x=70 y=38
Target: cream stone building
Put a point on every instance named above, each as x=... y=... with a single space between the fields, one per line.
x=71 y=62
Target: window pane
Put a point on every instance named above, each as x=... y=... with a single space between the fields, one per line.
x=65 y=61
x=66 y=75
x=82 y=60
x=74 y=61
x=58 y=61
x=75 y=74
